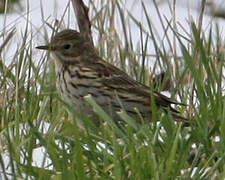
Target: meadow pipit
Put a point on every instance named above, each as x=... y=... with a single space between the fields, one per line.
x=80 y=71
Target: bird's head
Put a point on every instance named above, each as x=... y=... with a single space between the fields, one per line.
x=68 y=45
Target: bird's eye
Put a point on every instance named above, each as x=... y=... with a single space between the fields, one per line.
x=66 y=46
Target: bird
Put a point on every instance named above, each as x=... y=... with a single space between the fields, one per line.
x=81 y=71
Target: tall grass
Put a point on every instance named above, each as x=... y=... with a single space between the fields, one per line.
x=35 y=124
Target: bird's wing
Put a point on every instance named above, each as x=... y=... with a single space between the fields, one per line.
x=127 y=88
x=114 y=78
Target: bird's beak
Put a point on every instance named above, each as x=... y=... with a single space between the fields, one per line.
x=46 y=47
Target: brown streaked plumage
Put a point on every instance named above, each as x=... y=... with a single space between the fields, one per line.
x=80 y=71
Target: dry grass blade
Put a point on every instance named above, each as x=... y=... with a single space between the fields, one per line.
x=5 y=42
x=81 y=11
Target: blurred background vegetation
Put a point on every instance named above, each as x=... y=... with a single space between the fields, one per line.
x=8 y=5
